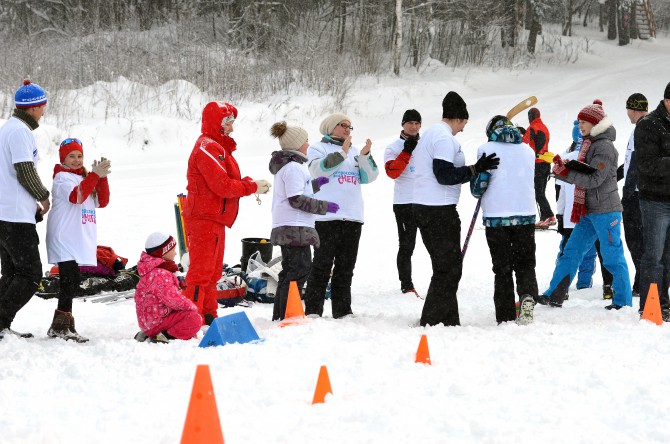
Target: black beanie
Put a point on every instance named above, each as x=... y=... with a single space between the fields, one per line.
x=637 y=102
x=533 y=114
x=666 y=95
x=411 y=115
x=454 y=107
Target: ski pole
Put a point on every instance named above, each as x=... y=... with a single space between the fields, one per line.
x=472 y=227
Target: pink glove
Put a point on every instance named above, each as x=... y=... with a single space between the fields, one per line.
x=559 y=167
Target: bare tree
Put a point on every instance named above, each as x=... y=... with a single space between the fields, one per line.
x=397 y=41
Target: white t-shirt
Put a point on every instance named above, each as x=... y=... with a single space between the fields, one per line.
x=17 y=144
x=292 y=180
x=436 y=143
x=629 y=153
x=403 y=188
x=344 y=187
x=71 y=228
x=511 y=188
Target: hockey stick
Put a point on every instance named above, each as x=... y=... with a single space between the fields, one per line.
x=524 y=104
x=516 y=109
x=472 y=227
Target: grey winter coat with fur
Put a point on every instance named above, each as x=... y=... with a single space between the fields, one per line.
x=602 y=193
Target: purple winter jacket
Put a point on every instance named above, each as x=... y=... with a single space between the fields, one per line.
x=157 y=294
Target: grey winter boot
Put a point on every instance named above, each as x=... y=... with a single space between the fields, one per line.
x=62 y=327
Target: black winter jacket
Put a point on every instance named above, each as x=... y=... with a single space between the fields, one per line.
x=652 y=150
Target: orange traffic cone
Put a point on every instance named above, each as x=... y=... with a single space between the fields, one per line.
x=294 y=308
x=322 y=386
x=202 y=418
x=294 y=304
x=422 y=354
x=652 y=306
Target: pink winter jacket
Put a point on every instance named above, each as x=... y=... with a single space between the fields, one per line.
x=157 y=293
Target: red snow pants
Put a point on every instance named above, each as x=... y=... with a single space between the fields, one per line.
x=206 y=242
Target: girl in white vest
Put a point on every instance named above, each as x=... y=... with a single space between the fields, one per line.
x=293 y=210
x=72 y=227
x=348 y=168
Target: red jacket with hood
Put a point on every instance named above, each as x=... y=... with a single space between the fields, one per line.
x=537 y=136
x=215 y=184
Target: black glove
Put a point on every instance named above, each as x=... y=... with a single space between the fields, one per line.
x=118 y=265
x=486 y=163
x=559 y=220
x=619 y=173
x=38 y=217
x=410 y=144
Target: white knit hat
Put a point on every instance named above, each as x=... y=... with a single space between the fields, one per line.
x=330 y=122
x=290 y=137
x=159 y=244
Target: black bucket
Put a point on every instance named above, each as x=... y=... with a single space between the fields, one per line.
x=250 y=245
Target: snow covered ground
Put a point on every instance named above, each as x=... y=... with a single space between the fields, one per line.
x=578 y=374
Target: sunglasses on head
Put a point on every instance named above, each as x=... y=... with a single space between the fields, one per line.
x=70 y=140
x=345 y=126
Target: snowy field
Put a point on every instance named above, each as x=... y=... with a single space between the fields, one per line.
x=580 y=374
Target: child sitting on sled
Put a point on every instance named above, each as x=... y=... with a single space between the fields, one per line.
x=163 y=313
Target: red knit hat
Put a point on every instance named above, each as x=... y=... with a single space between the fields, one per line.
x=159 y=244
x=592 y=113
x=67 y=146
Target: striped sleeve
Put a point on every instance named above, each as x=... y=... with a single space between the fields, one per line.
x=30 y=180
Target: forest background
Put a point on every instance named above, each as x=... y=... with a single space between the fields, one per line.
x=253 y=50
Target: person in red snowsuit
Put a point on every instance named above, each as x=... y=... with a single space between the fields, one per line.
x=214 y=188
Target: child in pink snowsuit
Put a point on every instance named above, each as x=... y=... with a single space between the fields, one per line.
x=162 y=310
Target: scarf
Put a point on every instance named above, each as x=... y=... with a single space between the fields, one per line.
x=59 y=168
x=27 y=118
x=331 y=139
x=170 y=266
x=579 y=205
x=404 y=136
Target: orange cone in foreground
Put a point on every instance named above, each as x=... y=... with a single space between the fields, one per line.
x=322 y=386
x=652 y=306
x=202 y=418
x=422 y=354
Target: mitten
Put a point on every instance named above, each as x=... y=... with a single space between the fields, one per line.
x=559 y=167
x=321 y=181
x=332 y=207
x=410 y=144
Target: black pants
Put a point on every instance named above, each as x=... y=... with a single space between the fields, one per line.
x=607 y=276
x=632 y=229
x=296 y=263
x=512 y=251
x=339 y=246
x=70 y=277
x=541 y=177
x=404 y=218
x=440 y=229
x=20 y=267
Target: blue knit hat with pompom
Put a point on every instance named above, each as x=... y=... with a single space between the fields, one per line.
x=30 y=95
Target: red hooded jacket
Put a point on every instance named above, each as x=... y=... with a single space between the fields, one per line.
x=537 y=136
x=214 y=181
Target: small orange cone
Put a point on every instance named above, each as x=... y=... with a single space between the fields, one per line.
x=294 y=309
x=652 y=306
x=322 y=386
x=294 y=304
x=202 y=418
x=422 y=354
